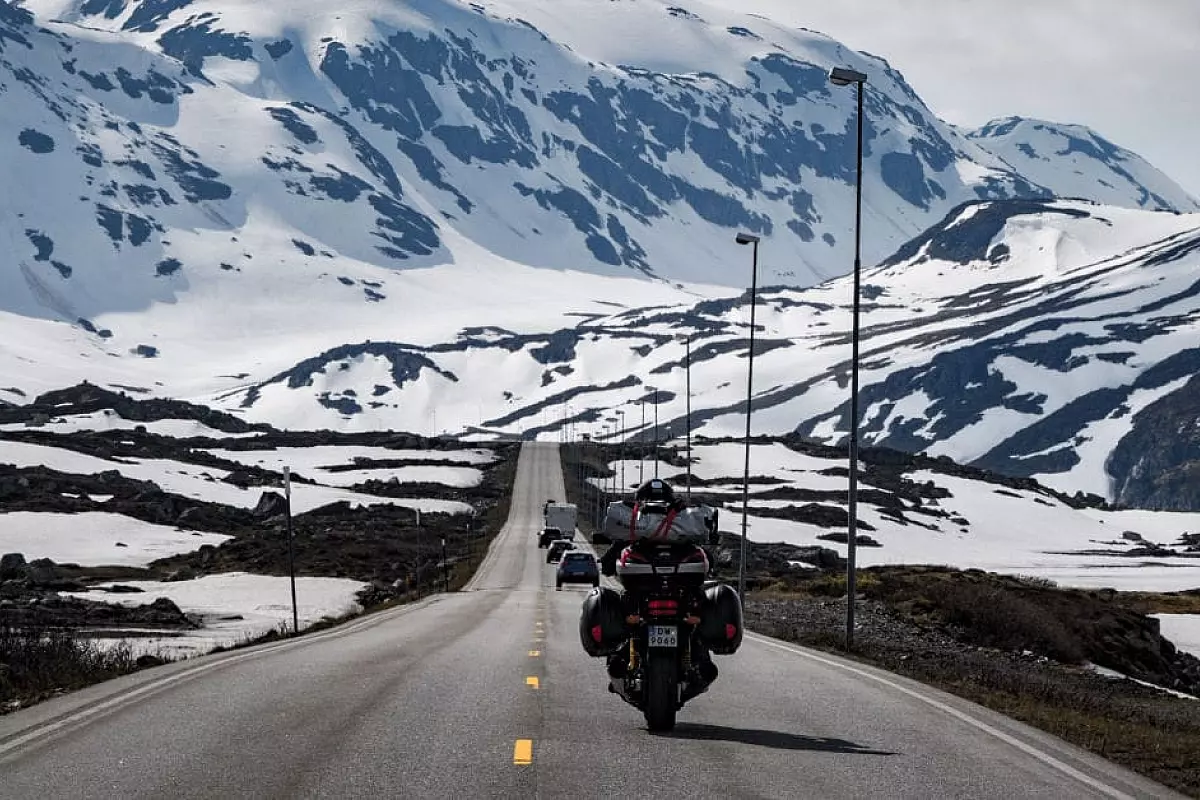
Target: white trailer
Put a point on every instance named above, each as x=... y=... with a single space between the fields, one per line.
x=562 y=516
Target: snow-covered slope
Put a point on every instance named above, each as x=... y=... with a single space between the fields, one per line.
x=1050 y=339
x=163 y=140
x=1075 y=161
x=920 y=513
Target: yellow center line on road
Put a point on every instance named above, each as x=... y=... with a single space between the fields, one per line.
x=533 y=681
x=523 y=751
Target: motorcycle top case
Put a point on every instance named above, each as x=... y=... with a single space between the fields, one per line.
x=720 y=627
x=602 y=622
x=692 y=524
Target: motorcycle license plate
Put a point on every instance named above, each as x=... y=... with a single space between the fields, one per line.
x=664 y=636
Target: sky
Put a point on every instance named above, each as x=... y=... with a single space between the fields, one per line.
x=1126 y=69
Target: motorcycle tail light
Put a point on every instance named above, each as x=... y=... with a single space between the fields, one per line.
x=596 y=634
x=730 y=630
x=663 y=607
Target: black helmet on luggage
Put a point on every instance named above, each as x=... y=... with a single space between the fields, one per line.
x=655 y=490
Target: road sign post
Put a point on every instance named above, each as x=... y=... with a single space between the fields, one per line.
x=445 y=567
x=287 y=512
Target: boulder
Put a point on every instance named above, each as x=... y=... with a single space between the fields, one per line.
x=12 y=566
x=270 y=504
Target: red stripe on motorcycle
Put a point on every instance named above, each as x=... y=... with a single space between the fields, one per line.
x=664 y=527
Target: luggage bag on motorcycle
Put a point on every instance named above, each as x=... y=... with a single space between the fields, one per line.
x=693 y=524
x=720 y=627
x=602 y=622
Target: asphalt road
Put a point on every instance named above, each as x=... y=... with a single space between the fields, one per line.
x=487 y=693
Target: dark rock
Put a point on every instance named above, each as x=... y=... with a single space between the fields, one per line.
x=270 y=504
x=12 y=565
x=243 y=479
x=861 y=540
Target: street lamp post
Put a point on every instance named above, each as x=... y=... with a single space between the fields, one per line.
x=656 y=431
x=750 y=239
x=841 y=76
x=688 y=393
x=611 y=480
x=621 y=414
x=602 y=488
x=642 y=445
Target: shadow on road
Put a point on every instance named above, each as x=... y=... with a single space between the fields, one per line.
x=775 y=739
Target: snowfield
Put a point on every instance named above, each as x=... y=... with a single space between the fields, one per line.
x=1182 y=629
x=204 y=483
x=316 y=463
x=95 y=538
x=989 y=526
x=234 y=608
x=109 y=420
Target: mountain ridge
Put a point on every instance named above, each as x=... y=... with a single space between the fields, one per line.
x=490 y=127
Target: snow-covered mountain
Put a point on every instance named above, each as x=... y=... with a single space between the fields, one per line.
x=1075 y=161
x=237 y=203
x=621 y=138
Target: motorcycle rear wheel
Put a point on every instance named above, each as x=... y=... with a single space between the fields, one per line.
x=661 y=692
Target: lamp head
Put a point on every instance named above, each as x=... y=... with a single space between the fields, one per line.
x=844 y=76
x=746 y=238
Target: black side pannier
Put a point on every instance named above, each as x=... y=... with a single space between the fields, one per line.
x=602 y=622
x=720 y=626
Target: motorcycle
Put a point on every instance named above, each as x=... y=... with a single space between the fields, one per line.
x=659 y=634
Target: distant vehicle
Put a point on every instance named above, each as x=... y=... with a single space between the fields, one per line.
x=561 y=516
x=549 y=535
x=577 y=567
x=557 y=548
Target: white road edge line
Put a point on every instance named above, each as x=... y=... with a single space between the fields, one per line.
x=1024 y=747
x=72 y=720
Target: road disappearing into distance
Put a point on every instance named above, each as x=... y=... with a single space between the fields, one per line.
x=487 y=693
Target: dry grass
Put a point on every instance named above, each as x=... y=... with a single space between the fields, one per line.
x=1009 y=644
x=36 y=663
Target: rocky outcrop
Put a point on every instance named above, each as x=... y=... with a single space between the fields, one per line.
x=1157 y=464
x=87 y=398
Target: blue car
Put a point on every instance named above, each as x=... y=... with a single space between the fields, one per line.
x=577 y=567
